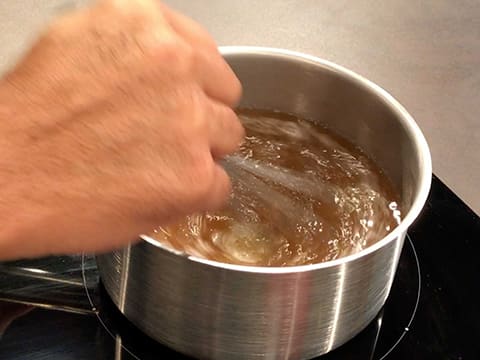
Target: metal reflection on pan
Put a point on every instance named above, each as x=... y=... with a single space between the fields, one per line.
x=378 y=324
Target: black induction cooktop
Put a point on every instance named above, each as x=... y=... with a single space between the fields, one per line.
x=56 y=308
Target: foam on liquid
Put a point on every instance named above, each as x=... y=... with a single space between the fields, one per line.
x=301 y=195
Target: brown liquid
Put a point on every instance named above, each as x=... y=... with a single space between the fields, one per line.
x=301 y=195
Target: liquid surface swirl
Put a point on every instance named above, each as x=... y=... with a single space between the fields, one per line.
x=301 y=195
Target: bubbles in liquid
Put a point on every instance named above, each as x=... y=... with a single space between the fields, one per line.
x=301 y=195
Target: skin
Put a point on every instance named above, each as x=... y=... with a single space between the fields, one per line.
x=112 y=124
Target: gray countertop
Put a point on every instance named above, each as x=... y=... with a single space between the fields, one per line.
x=425 y=53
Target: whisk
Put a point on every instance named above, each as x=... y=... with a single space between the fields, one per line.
x=284 y=211
x=287 y=178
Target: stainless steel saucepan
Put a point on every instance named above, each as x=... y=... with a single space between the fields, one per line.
x=212 y=310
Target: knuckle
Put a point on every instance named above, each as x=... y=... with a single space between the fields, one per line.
x=196 y=115
x=208 y=41
x=186 y=59
x=176 y=55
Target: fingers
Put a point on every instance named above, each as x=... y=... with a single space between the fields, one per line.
x=192 y=31
x=225 y=130
x=218 y=79
x=220 y=189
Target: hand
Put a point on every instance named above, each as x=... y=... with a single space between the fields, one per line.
x=110 y=126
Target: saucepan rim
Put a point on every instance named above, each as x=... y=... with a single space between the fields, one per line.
x=420 y=144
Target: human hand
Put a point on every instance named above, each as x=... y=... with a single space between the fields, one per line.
x=110 y=126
